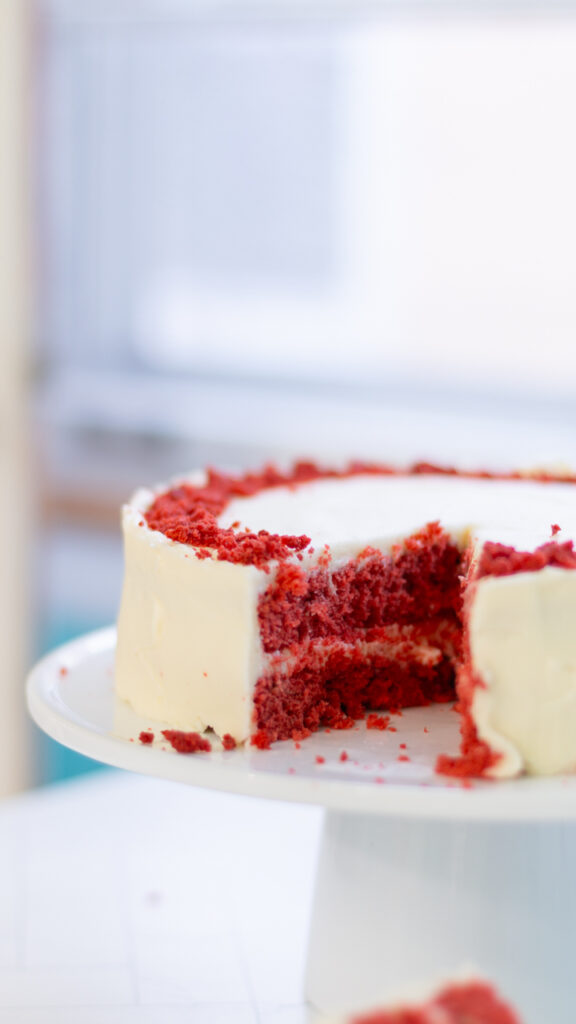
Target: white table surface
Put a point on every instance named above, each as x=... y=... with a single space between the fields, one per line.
x=128 y=900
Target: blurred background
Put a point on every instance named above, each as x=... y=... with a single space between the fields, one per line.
x=232 y=231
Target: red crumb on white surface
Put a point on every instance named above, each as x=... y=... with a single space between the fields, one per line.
x=374 y=721
x=187 y=742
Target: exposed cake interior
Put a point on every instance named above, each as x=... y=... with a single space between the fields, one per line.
x=380 y=631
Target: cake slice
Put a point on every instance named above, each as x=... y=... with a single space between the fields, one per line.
x=466 y=1002
x=270 y=605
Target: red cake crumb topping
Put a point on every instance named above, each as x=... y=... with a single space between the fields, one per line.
x=228 y=741
x=501 y=560
x=146 y=737
x=343 y=756
x=472 y=1003
x=375 y=721
x=189 y=513
x=187 y=742
x=554 y=529
x=320 y=760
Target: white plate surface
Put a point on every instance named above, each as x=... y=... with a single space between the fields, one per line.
x=71 y=697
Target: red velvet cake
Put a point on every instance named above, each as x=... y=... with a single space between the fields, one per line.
x=471 y=1002
x=270 y=605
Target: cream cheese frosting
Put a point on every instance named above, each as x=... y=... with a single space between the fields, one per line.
x=522 y=631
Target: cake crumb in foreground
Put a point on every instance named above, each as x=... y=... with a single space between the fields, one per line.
x=187 y=742
x=374 y=721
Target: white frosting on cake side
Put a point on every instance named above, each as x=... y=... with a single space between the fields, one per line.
x=522 y=631
x=189 y=651
x=188 y=647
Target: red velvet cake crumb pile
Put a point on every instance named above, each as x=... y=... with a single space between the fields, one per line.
x=374 y=721
x=187 y=742
x=473 y=1003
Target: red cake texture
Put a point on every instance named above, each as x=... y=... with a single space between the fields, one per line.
x=473 y=1003
x=398 y=601
x=187 y=742
x=381 y=632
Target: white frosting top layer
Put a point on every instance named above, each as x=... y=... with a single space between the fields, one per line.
x=349 y=513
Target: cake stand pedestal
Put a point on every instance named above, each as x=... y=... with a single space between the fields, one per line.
x=400 y=900
x=418 y=876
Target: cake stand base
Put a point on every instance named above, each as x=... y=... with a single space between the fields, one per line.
x=397 y=900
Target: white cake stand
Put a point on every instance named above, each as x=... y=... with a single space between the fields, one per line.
x=418 y=875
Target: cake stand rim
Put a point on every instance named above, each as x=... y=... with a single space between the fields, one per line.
x=525 y=800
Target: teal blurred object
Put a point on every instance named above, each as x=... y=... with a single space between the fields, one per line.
x=55 y=762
